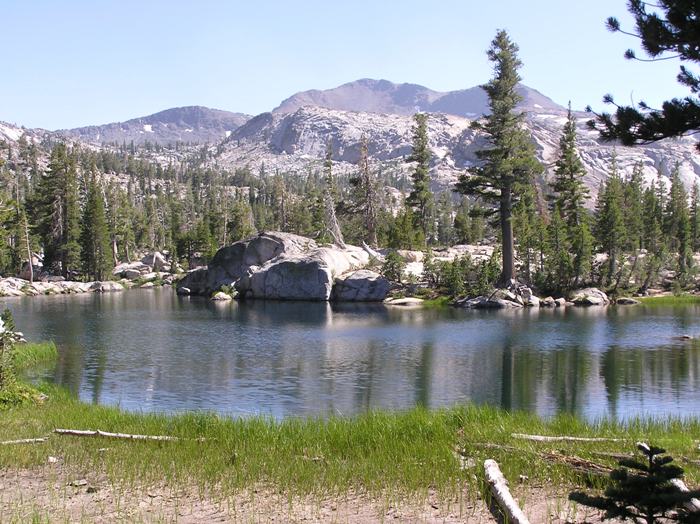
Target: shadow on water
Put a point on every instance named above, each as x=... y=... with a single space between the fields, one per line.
x=152 y=350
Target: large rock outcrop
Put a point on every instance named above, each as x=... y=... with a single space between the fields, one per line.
x=362 y=285
x=284 y=266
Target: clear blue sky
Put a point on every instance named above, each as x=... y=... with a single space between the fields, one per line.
x=70 y=63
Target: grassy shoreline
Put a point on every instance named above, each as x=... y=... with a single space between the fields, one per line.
x=33 y=354
x=671 y=300
x=407 y=453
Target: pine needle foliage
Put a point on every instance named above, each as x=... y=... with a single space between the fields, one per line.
x=644 y=490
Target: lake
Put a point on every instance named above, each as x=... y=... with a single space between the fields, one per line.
x=150 y=350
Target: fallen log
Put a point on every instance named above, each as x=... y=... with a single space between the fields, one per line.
x=99 y=433
x=578 y=464
x=693 y=505
x=547 y=438
x=499 y=488
x=24 y=441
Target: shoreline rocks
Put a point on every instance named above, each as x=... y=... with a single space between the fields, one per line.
x=18 y=287
x=590 y=296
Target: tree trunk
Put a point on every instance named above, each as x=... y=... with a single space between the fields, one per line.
x=506 y=211
x=29 y=250
x=115 y=258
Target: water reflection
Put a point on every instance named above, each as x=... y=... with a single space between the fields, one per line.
x=151 y=350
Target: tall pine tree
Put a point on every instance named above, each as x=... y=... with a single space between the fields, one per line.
x=96 y=249
x=509 y=163
x=421 y=197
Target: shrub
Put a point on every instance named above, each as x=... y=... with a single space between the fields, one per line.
x=644 y=490
x=393 y=267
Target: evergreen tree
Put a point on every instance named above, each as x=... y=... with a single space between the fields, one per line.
x=241 y=225
x=610 y=226
x=365 y=195
x=644 y=490
x=695 y=218
x=665 y=26
x=509 y=163
x=95 y=248
x=57 y=213
x=559 y=262
x=462 y=224
x=677 y=227
x=330 y=192
x=527 y=222
x=444 y=212
x=403 y=233
x=570 y=195
x=633 y=205
x=420 y=200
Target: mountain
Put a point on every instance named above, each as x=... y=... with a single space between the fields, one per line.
x=382 y=96
x=295 y=141
x=194 y=124
x=11 y=133
x=293 y=136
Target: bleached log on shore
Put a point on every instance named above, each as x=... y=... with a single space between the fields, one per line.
x=106 y=434
x=694 y=504
x=499 y=488
x=547 y=438
x=24 y=441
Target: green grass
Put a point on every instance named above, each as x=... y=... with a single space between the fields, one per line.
x=33 y=354
x=439 y=302
x=403 y=453
x=671 y=300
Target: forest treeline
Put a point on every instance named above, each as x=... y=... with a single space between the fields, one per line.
x=84 y=210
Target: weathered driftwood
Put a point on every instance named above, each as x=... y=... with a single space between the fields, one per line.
x=499 y=488
x=694 y=504
x=560 y=438
x=99 y=433
x=24 y=441
x=578 y=464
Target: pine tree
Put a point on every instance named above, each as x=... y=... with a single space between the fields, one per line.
x=666 y=29
x=403 y=233
x=644 y=490
x=570 y=195
x=677 y=226
x=444 y=212
x=509 y=163
x=57 y=213
x=462 y=225
x=420 y=200
x=280 y=203
x=610 y=226
x=695 y=218
x=559 y=262
x=330 y=192
x=365 y=195
x=633 y=204
x=527 y=221
x=241 y=225
x=95 y=248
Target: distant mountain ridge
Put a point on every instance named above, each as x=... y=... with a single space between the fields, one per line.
x=194 y=124
x=293 y=136
x=384 y=97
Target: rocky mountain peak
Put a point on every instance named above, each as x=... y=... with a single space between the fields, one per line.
x=194 y=124
x=385 y=97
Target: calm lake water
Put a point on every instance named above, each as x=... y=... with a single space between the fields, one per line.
x=150 y=350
